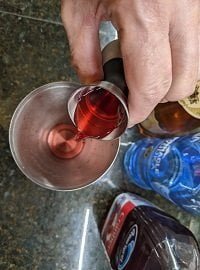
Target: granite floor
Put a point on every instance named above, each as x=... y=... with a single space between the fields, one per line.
x=43 y=229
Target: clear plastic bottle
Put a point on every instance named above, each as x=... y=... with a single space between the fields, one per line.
x=170 y=167
x=139 y=236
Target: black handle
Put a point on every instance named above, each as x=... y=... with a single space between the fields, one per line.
x=114 y=73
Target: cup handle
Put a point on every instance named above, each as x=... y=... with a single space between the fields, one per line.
x=113 y=66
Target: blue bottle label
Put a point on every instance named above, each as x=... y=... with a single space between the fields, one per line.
x=196 y=139
x=126 y=251
x=159 y=153
x=165 y=166
x=122 y=206
x=174 y=166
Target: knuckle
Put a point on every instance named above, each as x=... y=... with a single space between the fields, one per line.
x=75 y=63
x=175 y=36
x=181 y=91
x=175 y=97
x=87 y=72
x=136 y=118
x=156 y=90
x=149 y=94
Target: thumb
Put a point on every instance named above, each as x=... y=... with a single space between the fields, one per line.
x=199 y=57
x=82 y=29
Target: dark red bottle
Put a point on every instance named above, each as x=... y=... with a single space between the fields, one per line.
x=138 y=235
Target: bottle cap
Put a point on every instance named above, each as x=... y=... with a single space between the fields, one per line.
x=192 y=103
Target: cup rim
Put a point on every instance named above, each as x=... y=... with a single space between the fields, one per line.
x=18 y=109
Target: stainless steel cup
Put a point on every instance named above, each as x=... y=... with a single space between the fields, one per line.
x=30 y=129
x=114 y=82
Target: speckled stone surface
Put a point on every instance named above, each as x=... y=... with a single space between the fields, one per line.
x=44 y=10
x=43 y=229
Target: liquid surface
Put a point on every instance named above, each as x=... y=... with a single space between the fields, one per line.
x=63 y=141
x=98 y=113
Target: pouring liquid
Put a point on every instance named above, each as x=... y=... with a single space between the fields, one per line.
x=64 y=141
x=97 y=114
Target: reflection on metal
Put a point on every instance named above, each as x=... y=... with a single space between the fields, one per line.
x=107 y=33
x=80 y=262
x=34 y=152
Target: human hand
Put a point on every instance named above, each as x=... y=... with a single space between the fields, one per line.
x=159 y=44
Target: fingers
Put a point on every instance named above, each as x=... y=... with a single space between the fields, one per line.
x=86 y=55
x=160 y=50
x=147 y=64
x=158 y=69
x=82 y=30
x=199 y=52
x=184 y=43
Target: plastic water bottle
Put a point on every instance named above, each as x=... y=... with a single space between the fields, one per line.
x=170 y=167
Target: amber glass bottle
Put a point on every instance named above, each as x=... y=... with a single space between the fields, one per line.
x=174 y=118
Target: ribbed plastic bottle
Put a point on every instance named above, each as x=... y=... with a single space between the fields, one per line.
x=171 y=167
x=139 y=236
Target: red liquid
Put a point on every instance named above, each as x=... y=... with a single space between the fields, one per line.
x=97 y=114
x=63 y=142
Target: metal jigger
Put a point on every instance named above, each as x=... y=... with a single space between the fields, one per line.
x=42 y=142
x=114 y=82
